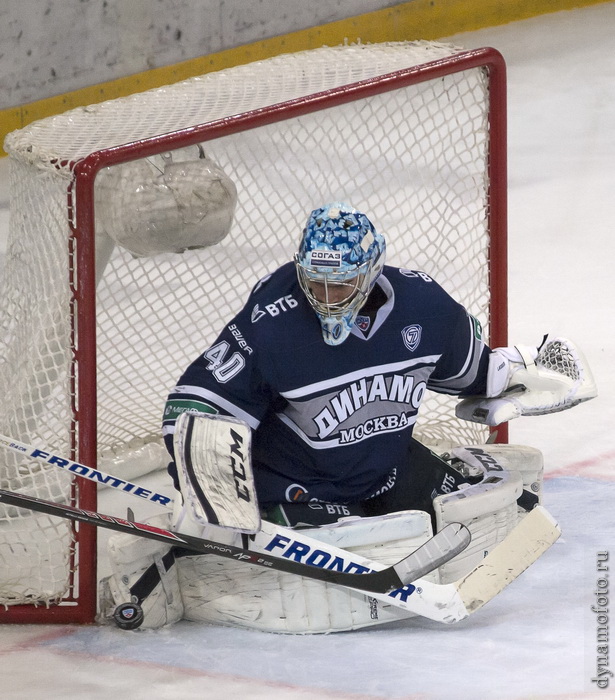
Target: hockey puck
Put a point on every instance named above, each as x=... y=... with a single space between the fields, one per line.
x=128 y=616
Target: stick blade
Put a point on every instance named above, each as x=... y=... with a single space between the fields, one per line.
x=529 y=540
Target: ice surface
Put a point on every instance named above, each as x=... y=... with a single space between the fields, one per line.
x=538 y=638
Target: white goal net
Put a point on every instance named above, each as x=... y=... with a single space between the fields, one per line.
x=99 y=313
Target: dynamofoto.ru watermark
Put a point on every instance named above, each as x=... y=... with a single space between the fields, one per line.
x=601 y=609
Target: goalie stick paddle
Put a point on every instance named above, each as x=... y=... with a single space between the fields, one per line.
x=384 y=581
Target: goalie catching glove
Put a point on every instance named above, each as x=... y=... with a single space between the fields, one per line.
x=525 y=381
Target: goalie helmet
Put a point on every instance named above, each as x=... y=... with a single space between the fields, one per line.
x=339 y=260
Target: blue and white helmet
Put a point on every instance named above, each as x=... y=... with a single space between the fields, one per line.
x=339 y=260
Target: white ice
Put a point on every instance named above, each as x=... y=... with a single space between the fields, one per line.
x=538 y=638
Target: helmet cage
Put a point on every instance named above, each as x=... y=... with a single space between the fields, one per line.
x=357 y=283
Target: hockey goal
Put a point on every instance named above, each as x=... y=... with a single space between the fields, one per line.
x=100 y=313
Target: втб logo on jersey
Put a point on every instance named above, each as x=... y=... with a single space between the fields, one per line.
x=284 y=303
x=415 y=273
x=398 y=389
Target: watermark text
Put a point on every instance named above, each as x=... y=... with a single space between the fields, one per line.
x=600 y=608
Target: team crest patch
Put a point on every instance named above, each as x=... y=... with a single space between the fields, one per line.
x=411 y=335
x=363 y=323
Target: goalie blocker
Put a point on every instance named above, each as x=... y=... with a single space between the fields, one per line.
x=206 y=589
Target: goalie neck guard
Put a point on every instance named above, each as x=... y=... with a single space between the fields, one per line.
x=340 y=257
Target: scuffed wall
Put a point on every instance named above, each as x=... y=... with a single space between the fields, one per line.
x=48 y=47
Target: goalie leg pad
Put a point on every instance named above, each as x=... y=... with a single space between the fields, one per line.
x=526 y=461
x=222 y=591
x=130 y=558
x=512 y=474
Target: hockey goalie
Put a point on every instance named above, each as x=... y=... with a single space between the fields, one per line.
x=320 y=379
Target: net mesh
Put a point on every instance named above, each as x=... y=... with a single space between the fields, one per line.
x=415 y=158
x=559 y=357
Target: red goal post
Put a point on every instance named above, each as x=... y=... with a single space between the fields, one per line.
x=94 y=335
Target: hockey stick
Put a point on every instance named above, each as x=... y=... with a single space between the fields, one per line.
x=323 y=566
x=448 y=603
x=98 y=477
x=289 y=544
x=444 y=603
x=219 y=453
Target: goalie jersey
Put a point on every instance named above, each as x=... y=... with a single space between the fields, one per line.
x=332 y=423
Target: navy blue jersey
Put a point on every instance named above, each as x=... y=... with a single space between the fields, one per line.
x=332 y=423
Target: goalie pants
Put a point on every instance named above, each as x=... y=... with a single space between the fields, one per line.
x=420 y=480
x=411 y=487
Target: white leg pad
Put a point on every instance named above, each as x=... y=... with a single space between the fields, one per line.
x=526 y=461
x=226 y=592
x=489 y=509
x=130 y=557
x=487 y=530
